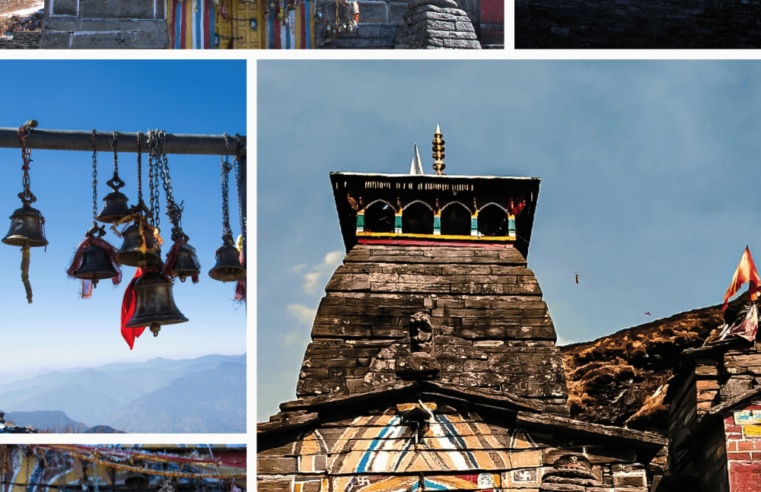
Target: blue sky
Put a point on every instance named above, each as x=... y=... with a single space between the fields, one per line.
x=650 y=176
x=187 y=97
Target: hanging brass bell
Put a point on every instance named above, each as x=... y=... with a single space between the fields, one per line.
x=136 y=480
x=187 y=264
x=154 y=303
x=130 y=253
x=114 y=208
x=96 y=264
x=26 y=226
x=228 y=267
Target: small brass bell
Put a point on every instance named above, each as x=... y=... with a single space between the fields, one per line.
x=114 y=204
x=135 y=480
x=228 y=267
x=154 y=303
x=96 y=264
x=187 y=264
x=130 y=253
x=26 y=226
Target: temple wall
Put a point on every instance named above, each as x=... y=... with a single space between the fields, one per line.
x=104 y=24
x=457 y=451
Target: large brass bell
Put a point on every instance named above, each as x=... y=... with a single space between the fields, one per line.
x=96 y=264
x=187 y=264
x=154 y=303
x=228 y=267
x=135 y=480
x=114 y=204
x=26 y=226
x=131 y=254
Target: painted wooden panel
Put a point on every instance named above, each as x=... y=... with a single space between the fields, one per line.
x=375 y=483
x=411 y=461
x=247 y=25
x=190 y=24
x=476 y=481
x=290 y=26
x=198 y=24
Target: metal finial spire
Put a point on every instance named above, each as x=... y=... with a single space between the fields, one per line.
x=416 y=166
x=438 y=152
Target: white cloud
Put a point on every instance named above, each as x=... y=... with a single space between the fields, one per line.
x=310 y=282
x=313 y=277
x=297 y=268
x=292 y=338
x=304 y=314
x=333 y=258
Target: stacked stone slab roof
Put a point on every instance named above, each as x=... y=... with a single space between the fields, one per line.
x=436 y=24
x=492 y=329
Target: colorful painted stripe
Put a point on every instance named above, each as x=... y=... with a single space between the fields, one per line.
x=191 y=24
x=297 y=32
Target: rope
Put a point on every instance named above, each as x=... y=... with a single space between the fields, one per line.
x=25 y=272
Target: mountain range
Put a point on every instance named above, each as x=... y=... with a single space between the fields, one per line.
x=206 y=394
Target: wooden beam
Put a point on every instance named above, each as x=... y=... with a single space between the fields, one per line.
x=554 y=423
x=127 y=142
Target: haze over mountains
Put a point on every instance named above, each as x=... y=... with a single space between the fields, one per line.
x=207 y=394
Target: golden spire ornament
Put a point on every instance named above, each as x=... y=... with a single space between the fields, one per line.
x=438 y=152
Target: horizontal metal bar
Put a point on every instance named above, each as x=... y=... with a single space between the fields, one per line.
x=126 y=142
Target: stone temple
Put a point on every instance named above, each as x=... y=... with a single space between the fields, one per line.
x=433 y=363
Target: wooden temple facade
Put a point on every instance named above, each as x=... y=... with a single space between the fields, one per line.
x=241 y=24
x=127 y=468
x=433 y=363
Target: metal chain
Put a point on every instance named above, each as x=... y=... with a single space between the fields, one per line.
x=159 y=151
x=153 y=192
x=114 y=143
x=139 y=167
x=26 y=155
x=226 y=167
x=115 y=183
x=236 y=164
x=94 y=178
x=173 y=210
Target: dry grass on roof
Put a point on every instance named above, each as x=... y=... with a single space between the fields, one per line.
x=620 y=379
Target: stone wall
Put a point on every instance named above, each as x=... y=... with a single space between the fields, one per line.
x=378 y=22
x=24 y=40
x=104 y=24
x=638 y=24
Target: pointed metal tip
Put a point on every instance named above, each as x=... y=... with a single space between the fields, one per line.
x=438 y=129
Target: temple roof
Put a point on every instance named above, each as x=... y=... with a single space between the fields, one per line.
x=354 y=192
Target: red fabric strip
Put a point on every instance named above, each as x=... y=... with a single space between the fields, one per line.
x=128 y=309
x=183 y=31
x=276 y=27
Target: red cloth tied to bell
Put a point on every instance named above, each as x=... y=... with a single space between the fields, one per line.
x=171 y=259
x=76 y=263
x=128 y=308
x=240 y=288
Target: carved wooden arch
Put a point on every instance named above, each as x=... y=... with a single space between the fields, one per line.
x=377 y=201
x=414 y=224
x=456 y=221
x=496 y=205
x=371 y=214
x=481 y=225
x=457 y=203
x=418 y=201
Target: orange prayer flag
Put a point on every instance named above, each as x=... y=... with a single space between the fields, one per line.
x=746 y=272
